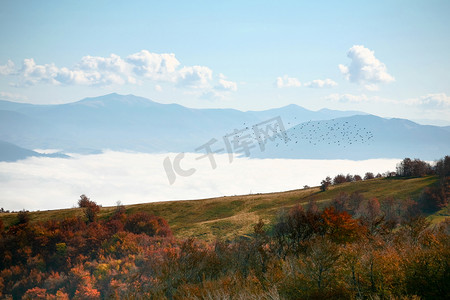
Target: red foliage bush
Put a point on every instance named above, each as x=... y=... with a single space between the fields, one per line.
x=142 y=222
x=35 y=293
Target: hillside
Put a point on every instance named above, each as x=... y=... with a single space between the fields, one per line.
x=263 y=246
x=228 y=217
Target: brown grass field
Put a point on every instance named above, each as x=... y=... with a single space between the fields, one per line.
x=234 y=216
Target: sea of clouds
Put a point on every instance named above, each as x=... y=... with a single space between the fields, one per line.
x=41 y=183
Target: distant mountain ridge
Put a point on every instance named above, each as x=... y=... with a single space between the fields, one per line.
x=362 y=137
x=10 y=152
x=127 y=122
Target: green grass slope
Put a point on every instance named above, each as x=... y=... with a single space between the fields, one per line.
x=229 y=217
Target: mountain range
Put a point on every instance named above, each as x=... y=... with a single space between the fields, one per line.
x=131 y=123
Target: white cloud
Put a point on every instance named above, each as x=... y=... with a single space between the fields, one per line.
x=435 y=103
x=221 y=90
x=195 y=77
x=12 y=96
x=33 y=73
x=51 y=183
x=213 y=95
x=351 y=98
x=431 y=101
x=97 y=70
x=113 y=64
x=114 y=70
x=348 y=98
x=365 y=68
x=153 y=65
x=90 y=71
x=318 y=83
x=226 y=85
x=7 y=69
x=287 y=81
x=371 y=87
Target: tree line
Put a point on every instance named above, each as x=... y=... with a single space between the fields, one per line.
x=432 y=198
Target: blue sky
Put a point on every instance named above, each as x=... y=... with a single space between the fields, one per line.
x=389 y=58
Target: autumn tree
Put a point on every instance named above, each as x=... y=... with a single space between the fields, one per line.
x=325 y=184
x=354 y=201
x=23 y=217
x=84 y=201
x=390 y=208
x=142 y=222
x=340 y=178
x=368 y=176
x=117 y=220
x=371 y=216
x=319 y=265
x=312 y=206
x=91 y=209
x=349 y=178
x=340 y=227
x=295 y=227
x=35 y=293
x=410 y=210
x=413 y=168
x=340 y=202
x=442 y=167
x=434 y=198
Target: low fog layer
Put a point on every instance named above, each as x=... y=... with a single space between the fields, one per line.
x=41 y=183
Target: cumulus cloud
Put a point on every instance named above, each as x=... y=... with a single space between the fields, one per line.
x=226 y=85
x=153 y=65
x=220 y=91
x=96 y=70
x=432 y=101
x=7 y=69
x=318 y=83
x=365 y=68
x=286 y=81
x=115 y=70
x=195 y=77
x=33 y=73
x=348 y=98
x=91 y=70
x=438 y=102
x=50 y=183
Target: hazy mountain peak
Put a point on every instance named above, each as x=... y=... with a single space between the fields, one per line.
x=292 y=105
x=115 y=99
x=355 y=112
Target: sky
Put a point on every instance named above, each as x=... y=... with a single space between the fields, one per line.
x=389 y=58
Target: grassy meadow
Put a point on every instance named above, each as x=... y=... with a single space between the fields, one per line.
x=233 y=216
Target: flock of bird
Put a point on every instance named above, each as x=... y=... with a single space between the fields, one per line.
x=333 y=132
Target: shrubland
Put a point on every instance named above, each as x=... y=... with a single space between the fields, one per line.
x=352 y=243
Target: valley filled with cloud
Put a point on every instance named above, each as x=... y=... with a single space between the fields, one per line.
x=40 y=183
